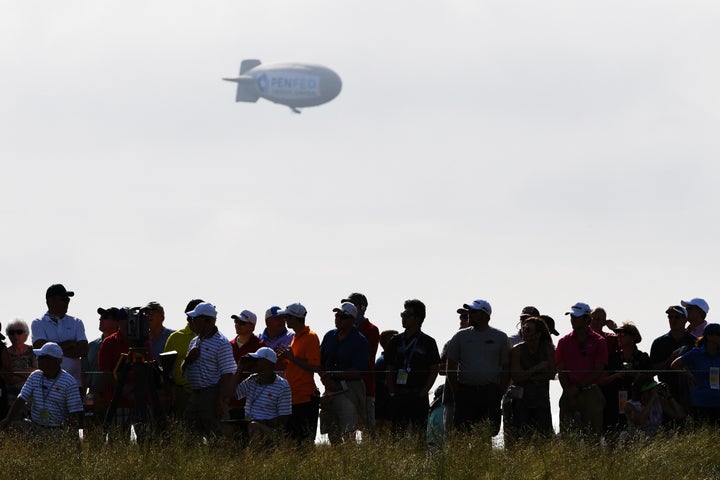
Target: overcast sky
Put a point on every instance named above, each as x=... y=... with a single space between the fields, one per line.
x=526 y=153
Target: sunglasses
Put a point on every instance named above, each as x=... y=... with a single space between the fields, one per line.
x=15 y=332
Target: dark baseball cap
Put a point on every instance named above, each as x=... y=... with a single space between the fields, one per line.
x=58 y=290
x=550 y=322
x=155 y=306
x=113 y=312
x=356 y=298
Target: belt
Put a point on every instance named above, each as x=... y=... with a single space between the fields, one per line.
x=47 y=427
x=465 y=386
x=204 y=389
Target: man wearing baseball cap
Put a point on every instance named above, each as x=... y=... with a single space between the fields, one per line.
x=52 y=392
x=303 y=361
x=478 y=361
x=343 y=355
x=276 y=334
x=59 y=327
x=372 y=335
x=581 y=357
x=158 y=332
x=244 y=342
x=93 y=379
x=667 y=348
x=178 y=342
x=114 y=348
x=697 y=310
x=209 y=368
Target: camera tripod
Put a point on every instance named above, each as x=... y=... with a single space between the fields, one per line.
x=143 y=382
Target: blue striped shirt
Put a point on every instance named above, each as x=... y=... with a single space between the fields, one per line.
x=215 y=360
x=265 y=402
x=52 y=399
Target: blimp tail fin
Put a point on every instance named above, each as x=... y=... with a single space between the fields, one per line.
x=248 y=65
x=246 y=89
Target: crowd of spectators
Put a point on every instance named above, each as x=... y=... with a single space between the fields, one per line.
x=263 y=386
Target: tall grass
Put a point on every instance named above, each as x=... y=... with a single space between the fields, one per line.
x=671 y=456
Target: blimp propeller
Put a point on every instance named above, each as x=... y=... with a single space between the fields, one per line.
x=296 y=85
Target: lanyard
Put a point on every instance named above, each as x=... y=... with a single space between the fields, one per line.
x=257 y=396
x=46 y=391
x=411 y=346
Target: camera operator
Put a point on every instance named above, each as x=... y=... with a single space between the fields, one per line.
x=111 y=351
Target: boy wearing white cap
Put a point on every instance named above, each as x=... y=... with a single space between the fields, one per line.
x=52 y=392
x=267 y=394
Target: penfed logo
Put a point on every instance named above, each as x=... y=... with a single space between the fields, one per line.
x=289 y=85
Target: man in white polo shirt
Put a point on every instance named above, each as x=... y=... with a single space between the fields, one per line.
x=59 y=327
x=209 y=368
x=52 y=392
x=478 y=361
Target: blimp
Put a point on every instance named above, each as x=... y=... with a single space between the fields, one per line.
x=297 y=85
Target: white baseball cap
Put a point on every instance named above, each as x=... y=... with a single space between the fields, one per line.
x=579 y=310
x=203 y=309
x=266 y=353
x=295 y=309
x=246 y=316
x=347 y=308
x=479 y=305
x=50 y=349
x=696 y=302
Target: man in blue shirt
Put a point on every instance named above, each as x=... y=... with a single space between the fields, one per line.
x=343 y=357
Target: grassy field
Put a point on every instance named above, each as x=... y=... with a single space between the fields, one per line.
x=689 y=456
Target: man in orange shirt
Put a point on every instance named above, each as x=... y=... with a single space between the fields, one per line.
x=303 y=360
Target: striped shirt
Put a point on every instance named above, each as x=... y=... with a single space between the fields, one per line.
x=52 y=399
x=215 y=360
x=265 y=402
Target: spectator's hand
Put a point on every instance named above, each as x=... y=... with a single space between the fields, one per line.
x=329 y=382
x=540 y=367
x=192 y=355
x=221 y=407
x=571 y=396
x=285 y=354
